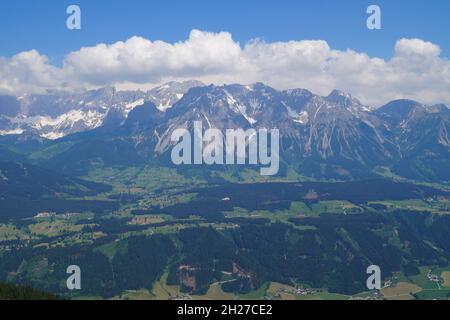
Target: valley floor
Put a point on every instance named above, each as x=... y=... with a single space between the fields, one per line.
x=273 y=240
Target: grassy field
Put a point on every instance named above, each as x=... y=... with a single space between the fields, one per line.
x=43 y=227
x=142 y=294
x=112 y=248
x=434 y=206
x=215 y=292
x=297 y=209
x=335 y=206
x=162 y=291
x=280 y=290
x=446 y=277
x=422 y=281
x=144 y=220
x=54 y=228
x=324 y=296
x=141 y=180
x=10 y=232
x=433 y=294
x=401 y=291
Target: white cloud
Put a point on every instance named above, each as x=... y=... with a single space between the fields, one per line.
x=416 y=70
x=27 y=72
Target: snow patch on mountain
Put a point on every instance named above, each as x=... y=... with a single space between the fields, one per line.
x=129 y=107
x=298 y=117
x=239 y=108
x=165 y=96
x=59 y=113
x=55 y=128
x=11 y=132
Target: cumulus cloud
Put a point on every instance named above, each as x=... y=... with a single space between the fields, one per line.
x=416 y=71
x=27 y=71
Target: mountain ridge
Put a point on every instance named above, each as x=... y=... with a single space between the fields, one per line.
x=59 y=113
x=332 y=137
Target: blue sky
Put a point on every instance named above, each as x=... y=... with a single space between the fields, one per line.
x=30 y=24
x=209 y=40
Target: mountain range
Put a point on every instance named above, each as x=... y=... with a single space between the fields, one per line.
x=322 y=137
x=59 y=113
